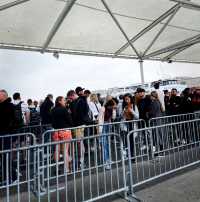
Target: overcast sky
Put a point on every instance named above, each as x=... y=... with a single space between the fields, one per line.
x=35 y=75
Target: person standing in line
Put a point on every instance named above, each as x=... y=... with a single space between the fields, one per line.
x=110 y=106
x=45 y=110
x=7 y=124
x=130 y=113
x=160 y=95
x=61 y=119
x=22 y=112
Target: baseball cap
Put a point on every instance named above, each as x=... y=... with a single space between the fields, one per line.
x=79 y=89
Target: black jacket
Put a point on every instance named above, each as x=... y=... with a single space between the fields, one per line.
x=61 y=118
x=175 y=104
x=7 y=117
x=45 y=111
x=82 y=114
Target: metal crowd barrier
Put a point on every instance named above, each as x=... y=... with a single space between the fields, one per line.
x=173 y=119
x=89 y=163
x=17 y=165
x=169 y=148
x=88 y=142
x=81 y=175
x=37 y=130
x=122 y=128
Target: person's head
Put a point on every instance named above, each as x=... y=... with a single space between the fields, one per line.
x=140 y=92
x=3 y=95
x=93 y=98
x=71 y=95
x=174 y=92
x=166 y=93
x=49 y=97
x=110 y=103
x=154 y=95
x=16 y=96
x=156 y=85
x=128 y=99
x=99 y=95
x=121 y=97
x=186 y=92
x=79 y=91
x=60 y=101
x=87 y=93
x=35 y=103
x=29 y=102
x=108 y=97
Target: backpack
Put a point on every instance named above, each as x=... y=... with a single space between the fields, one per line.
x=34 y=116
x=18 y=115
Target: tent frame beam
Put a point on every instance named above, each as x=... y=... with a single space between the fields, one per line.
x=120 y=27
x=161 y=30
x=176 y=52
x=190 y=41
x=81 y=52
x=12 y=4
x=148 y=28
x=58 y=23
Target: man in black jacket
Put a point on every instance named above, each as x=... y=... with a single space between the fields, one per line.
x=82 y=112
x=7 y=120
x=7 y=114
x=175 y=103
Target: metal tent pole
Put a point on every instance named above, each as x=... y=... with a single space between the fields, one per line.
x=141 y=71
x=11 y=4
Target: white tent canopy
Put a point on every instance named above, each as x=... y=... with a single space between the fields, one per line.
x=141 y=29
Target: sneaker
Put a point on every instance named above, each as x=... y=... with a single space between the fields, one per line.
x=143 y=147
x=124 y=153
x=15 y=182
x=107 y=167
x=92 y=149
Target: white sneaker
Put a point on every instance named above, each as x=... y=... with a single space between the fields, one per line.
x=107 y=167
x=143 y=147
x=15 y=182
x=92 y=149
x=124 y=153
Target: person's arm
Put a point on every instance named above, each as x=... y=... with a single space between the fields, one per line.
x=26 y=113
x=136 y=113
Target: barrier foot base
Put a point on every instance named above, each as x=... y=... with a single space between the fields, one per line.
x=133 y=198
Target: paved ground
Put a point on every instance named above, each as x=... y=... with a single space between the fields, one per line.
x=183 y=188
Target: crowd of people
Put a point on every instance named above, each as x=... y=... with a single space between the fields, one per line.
x=81 y=108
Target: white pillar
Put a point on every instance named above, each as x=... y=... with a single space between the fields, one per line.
x=141 y=71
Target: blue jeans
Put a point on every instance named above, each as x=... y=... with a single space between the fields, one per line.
x=105 y=143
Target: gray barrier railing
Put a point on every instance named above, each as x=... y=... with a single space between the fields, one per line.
x=169 y=148
x=81 y=176
x=90 y=162
x=17 y=166
x=173 y=119
x=37 y=130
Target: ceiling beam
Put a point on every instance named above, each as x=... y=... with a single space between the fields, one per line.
x=148 y=28
x=173 y=47
x=11 y=4
x=161 y=31
x=120 y=27
x=58 y=23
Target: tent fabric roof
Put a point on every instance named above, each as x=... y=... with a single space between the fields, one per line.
x=88 y=28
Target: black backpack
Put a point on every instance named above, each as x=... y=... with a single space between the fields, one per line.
x=19 y=122
x=34 y=116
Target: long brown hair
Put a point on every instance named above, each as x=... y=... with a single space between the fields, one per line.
x=58 y=99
